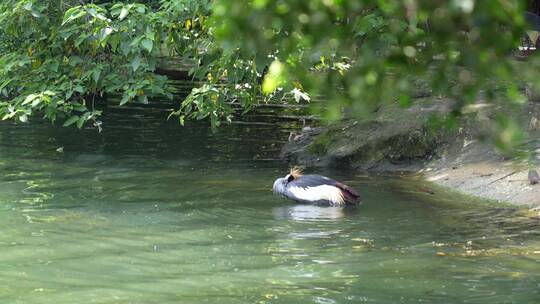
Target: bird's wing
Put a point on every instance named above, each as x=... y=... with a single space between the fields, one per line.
x=317 y=187
x=317 y=193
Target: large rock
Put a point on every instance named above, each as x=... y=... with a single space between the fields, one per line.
x=397 y=139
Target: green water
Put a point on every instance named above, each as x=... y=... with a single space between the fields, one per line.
x=148 y=212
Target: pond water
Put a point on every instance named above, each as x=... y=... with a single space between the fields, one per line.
x=150 y=212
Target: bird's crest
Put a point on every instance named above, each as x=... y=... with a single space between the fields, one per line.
x=296 y=172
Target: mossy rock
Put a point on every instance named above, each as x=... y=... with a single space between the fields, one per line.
x=395 y=135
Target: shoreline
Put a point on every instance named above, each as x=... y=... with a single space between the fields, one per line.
x=501 y=182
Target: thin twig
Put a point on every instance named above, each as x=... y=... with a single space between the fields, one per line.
x=507 y=175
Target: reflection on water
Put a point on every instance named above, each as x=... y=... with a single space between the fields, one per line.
x=149 y=212
x=313 y=213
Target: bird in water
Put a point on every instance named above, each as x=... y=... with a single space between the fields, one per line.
x=315 y=189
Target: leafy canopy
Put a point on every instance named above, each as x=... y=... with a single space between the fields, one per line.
x=59 y=57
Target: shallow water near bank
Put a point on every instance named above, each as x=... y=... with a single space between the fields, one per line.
x=149 y=212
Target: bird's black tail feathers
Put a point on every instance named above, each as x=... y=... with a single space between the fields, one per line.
x=349 y=194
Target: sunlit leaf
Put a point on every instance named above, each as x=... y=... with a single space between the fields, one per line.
x=73 y=14
x=30 y=98
x=36 y=102
x=274 y=78
x=123 y=13
x=36 y=14
x=104 y=33
x=125 y=99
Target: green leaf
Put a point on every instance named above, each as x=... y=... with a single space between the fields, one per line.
x=136 y=41
x=104 y=33
x=147 y=44
x=23 y=118
x=73 y=14
x=5 y=83
x=135 y=63
x=73 y=119
x=92 y=12
x=275 y=77
x=125 y=99
x=30 y=98
x=117 y=6
x=69 y=93
x=79 y=88
x=81 y=39
x=79 y=107
x=36 y=102
x=125 y=48
x=96 y=73
x=80 y=122
x=36 y=14
x=123 y=13
x=113 y=42
x=54 y=66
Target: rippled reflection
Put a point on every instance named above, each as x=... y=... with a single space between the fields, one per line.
x=313 y=213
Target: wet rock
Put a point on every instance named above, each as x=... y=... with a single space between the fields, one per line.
x=533 y=124
x=396 y=138
x=532 y=94
x=533 y=177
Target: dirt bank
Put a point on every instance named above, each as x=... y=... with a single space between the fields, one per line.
x=398 y=140
x=479 y=171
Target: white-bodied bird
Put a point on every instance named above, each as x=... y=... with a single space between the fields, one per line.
x=315 y=189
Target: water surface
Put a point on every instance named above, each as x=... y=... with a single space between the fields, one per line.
x=149 y=212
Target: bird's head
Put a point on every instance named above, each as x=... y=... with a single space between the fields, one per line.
x=281 y=183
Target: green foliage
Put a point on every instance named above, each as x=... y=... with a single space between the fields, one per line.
x=79 y=53
x=60 y=57
x=371 y=49
x=362 y=54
